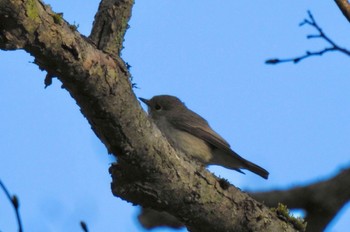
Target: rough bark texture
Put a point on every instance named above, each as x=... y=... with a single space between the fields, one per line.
x=111 y=22
x=150 y=218
x=149 y=172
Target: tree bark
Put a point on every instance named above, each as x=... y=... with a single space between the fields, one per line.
x=321 y=201
x=149 y=171
x=344 y=6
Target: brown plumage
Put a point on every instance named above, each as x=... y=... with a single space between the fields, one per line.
x=190 y=133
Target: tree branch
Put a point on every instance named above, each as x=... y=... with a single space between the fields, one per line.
x=84 y=226
x=15 y=204
x=321 y=200
x=344 y=6
x=195 y=197
x=111 y=22
x=321 y=35
x=150 y=218
x=149 y=171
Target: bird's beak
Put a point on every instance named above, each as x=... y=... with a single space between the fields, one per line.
x=144 y=101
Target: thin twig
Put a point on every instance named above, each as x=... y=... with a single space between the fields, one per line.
x=15 y=203
x=84 y=226
x=321 y=35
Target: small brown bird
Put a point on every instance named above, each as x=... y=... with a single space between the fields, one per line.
x=191 y=134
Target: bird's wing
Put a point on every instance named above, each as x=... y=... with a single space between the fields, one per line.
x=199 y=127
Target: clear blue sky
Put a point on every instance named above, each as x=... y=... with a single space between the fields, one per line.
x=291 y=119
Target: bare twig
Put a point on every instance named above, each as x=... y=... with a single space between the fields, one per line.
x=344 y=6
x=84 y=226
x=15 y=203
x=321 y=35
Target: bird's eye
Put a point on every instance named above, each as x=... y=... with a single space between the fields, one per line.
x=157 y=107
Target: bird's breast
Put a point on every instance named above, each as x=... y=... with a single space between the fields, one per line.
x=186 y=142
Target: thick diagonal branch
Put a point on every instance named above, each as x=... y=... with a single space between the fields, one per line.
x=149 y=172
x=321 y=201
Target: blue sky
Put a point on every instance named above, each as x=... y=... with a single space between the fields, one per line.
x=291 y=119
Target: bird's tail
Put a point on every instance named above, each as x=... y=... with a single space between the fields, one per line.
x=256 y=169
x=230 y=159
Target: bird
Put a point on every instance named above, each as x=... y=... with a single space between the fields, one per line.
x=191 y=134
